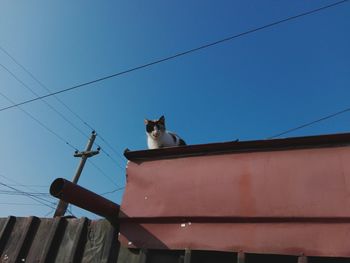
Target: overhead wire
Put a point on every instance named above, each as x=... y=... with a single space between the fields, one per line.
x=32 y=185
x=33 y=195
x=180 y=54
x=35 y=198
x=51 y=211
x=40 y=123
x=111 y=147
x=69 y=209
x=102 y=172
x=309 y=123
x=59 y=137
x=24 y=186
x=25 y=204
x=44 y=101
x=46 y=88
x=45 y=126
x=113 y=191
x=110 y=157
x=7 y=192
x=60 y=101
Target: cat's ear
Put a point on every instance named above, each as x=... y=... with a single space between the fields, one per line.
x=146 y=121
x=162 y=119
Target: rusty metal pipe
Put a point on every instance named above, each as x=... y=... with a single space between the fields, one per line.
x=83 y=198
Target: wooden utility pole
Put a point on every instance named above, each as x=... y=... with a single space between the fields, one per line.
x=62 y=206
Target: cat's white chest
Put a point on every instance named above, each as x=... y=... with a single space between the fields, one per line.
x=152 y=143
x=166 y=140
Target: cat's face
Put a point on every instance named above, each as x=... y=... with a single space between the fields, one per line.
x=155 y=128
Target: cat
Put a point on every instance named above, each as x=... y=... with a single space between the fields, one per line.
x=159 y=137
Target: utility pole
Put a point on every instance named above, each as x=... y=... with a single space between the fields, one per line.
x=62 y=206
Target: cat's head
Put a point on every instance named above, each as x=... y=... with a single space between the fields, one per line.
x=155 y=128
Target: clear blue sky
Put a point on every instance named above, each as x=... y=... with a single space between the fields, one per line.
x=249 y=88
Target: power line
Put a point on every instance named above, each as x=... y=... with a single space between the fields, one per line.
x=69 y=209
x=309 y=123
x=6 y=192
x=23 y=192
x=50 y=106
x=40 y=123
x=28 y=187
x=178 y=54
x=51 y=211
x=110 y=157
x=102 y=172
x=36 y=195
x=27 y=194
x=31 y=185
x=44 y=101
x=35 y=198
x=46 y=88
x=24 y=204
x=110 y=147
x=60 y=101
x=54 y=133
x=58 y=136
x=113 y=191
x=50 y=130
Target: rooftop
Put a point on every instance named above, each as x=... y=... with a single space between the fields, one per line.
x=319 y=141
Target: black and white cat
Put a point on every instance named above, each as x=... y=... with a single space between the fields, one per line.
x=159 y=137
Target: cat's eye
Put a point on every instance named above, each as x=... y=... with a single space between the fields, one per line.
x=149 y=127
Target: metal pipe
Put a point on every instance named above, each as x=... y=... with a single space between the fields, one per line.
x=83 y=198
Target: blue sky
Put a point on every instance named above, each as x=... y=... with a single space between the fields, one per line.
x=249 y=88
